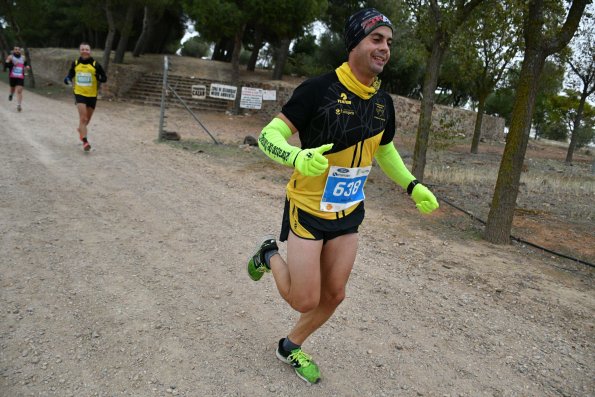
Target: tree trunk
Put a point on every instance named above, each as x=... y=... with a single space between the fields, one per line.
x=257 y=46
x=537 y=49
x=139 y=48
x=31 y=75
x=111 y=33
x=501 y=212
x=575 y=126
x=223 y=50
x=125 y=34
x=282 y=55
x=235 y=66
x=3 y=41
x=478 y=121
x=427 y=105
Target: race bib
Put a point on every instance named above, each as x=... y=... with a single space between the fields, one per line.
x=344 y=188
x=17 y=70
x=84 y=79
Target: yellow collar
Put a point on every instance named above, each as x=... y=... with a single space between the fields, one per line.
x=348 y=79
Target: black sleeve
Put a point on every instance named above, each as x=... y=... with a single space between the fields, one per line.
x=389 y=130
x=302 y=105
x=100 y=73
x=70 y=74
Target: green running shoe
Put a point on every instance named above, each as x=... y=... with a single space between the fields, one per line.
x=257 y=265
x=302 y=363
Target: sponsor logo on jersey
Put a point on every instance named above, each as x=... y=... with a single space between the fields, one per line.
x=347 y=112
x=344 y=99
x=379 y=112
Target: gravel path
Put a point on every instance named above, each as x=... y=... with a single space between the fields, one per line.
x=122 y=274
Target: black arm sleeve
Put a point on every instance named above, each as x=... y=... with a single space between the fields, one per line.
x=70 y=74
x=100 y=73
x=306 y=98
x=389 y=132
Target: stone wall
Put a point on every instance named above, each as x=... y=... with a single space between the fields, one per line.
x=52 y=65
x=454 y=120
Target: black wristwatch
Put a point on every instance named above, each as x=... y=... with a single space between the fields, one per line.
x=411 y=186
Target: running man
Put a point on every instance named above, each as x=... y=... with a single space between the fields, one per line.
x=87 y=74
x=344 y=120
x=16 y=64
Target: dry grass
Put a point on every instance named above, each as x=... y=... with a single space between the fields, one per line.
x=533 y=181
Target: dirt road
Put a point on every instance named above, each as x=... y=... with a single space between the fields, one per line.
x=122 y=273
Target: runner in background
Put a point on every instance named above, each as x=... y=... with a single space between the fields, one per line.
x=85 y=74
x=16 y=64
x=344 y=120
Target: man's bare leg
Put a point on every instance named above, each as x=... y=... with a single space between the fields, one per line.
x=83 y=120
x=314 y=280
x=338 y=257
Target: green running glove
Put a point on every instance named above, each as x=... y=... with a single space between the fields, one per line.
x=425 y=201
x=311 y=162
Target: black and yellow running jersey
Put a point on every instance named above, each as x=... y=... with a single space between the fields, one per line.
x=86 y=74
x=325 y=111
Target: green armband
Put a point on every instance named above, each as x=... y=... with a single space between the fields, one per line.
x=273 y=142
x=392 y=165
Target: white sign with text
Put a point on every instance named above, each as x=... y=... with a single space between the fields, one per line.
x=199 y=91
x=251 y=98
x=223 y=91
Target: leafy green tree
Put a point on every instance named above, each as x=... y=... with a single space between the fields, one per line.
x=455 y=87
x=550 y=84
x=501 y=101
x=222 y=19
x=561 y=116
x=311 y=58
x=582 y=65
x=156 y=14
x=495 y=33
x=437 y=22
x=196 y=47
x=544 y=34
x=297 y=14
x=125 y=27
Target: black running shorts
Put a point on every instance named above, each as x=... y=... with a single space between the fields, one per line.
x=87 y=100
x=13 y=81
x=310 y=227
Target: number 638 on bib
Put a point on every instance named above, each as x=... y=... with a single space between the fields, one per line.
x=344 y=187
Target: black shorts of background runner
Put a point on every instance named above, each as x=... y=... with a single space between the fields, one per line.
x=89 y=101
x=13 y=81
x=320 y=229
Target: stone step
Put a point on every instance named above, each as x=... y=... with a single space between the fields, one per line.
x=175 y=103
x=210 y=102
x=147 y=91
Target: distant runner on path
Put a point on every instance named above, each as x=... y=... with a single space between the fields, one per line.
x=16 y=64
x=85 y=74
x=344 y=120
